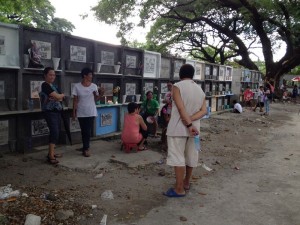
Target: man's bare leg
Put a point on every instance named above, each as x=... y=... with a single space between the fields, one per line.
x=187 y=179
x=179 y=172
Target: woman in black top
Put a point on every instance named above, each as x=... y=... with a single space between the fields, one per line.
x=51 y=107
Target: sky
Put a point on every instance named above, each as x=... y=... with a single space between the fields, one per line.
x=89 y=27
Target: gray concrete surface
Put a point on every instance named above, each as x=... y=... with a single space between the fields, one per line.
x=265 y=191
x=102 y=153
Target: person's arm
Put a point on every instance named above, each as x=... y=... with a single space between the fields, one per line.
x=57 y=96
x=75 y=104
x=52 y=93
x=98 y=94
x=182 y=112
x=202 y=112
x=142 y=123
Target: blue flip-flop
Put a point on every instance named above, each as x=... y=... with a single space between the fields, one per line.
x=172 y=193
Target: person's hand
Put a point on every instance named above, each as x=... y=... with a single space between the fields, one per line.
x=193 y=130
x=95 y=93
x=101 y=91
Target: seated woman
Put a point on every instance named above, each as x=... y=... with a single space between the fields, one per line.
x=150 y=109
x=135 y=129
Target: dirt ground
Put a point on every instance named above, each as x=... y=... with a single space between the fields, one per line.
x=227 y=140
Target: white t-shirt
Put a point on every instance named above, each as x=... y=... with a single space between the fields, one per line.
x=260 y=96
x=192 y=96
x=238 y=107
x=86 y=103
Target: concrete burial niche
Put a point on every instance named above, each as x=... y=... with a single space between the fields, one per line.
x=166 y=67
x=198 y=66
x=176 y=64
x=152 y=64
x=110 y=58
x=78 y=53
x=9 y=45
x=132 y=62
x=47 y=45
x=8 y=89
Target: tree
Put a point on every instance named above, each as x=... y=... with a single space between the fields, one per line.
x=234 y=27
x=35 y=13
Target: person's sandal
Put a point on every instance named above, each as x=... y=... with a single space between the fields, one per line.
x=52 y=161
x=86 y=153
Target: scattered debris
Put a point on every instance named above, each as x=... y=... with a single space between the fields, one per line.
x=237 y=168
x=160 y=162
x=32 y=220
x=63 y=214
x=107 y=195
x=103 y=220
x=182 y=218
x=98 y=176
x=162 y=173
x=287 y=158
x=7 y=192
x=206 y=167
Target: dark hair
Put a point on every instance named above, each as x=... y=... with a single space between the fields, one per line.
x=132 y=106
x=234 y=101
x=46 y=70
x=85 y=71
x=149 y=92
x=170 y=81
x=186 y=71
x=248 y=86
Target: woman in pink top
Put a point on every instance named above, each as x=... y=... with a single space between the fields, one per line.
x=135 y=129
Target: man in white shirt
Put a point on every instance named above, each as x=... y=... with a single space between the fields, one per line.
x=237 y=108
x=188 y=108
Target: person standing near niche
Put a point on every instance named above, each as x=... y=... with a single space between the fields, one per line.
x=85 y=95
x=51 y=106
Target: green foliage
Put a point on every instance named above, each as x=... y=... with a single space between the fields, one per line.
x=35 y=13
x=214 y=30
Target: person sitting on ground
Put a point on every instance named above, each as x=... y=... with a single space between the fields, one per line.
x=135 y=129
x=285 y=96
x=248 y=96
x=260 y=102
x=237 y=108
x=150 y=109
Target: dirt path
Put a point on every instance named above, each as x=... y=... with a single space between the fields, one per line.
x=265 y=191
x=255 y=180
